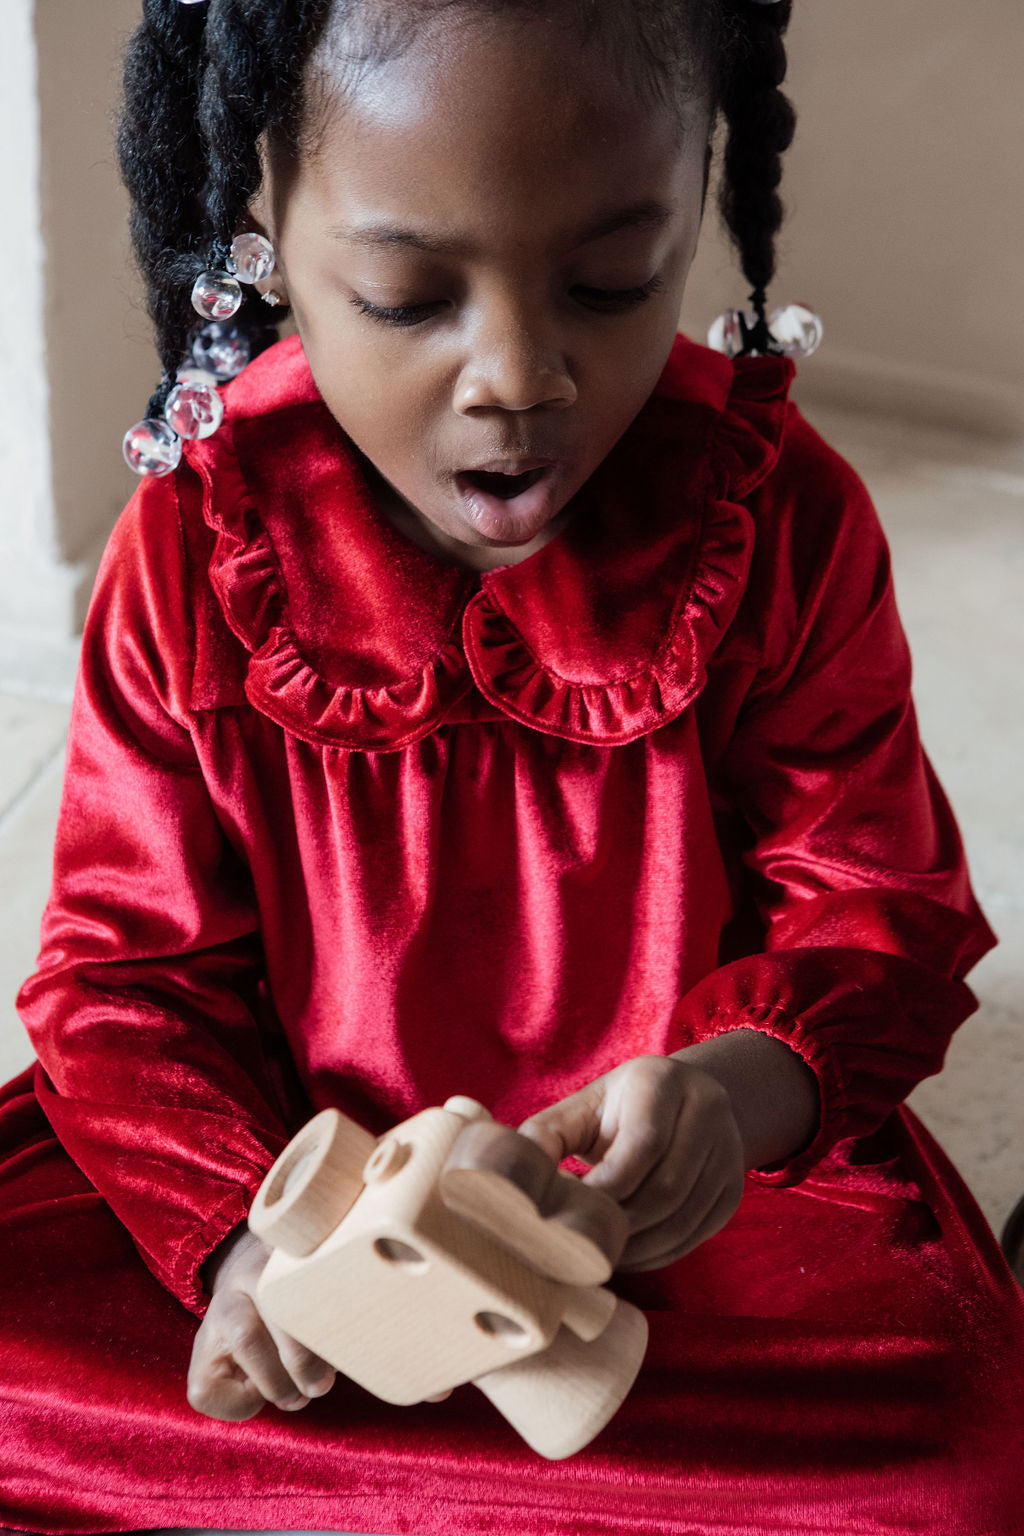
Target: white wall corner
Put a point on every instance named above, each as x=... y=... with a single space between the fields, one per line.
x=26 y=479
x=72 y=377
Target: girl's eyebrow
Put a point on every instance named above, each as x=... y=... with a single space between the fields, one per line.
x=650 y=214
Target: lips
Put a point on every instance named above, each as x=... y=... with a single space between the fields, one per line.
x=513 y=465
x=509 y=501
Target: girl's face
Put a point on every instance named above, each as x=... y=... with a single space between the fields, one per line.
x=485 y=257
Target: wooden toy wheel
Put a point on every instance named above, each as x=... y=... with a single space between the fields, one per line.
x=560 y=1399
x=313 y=1185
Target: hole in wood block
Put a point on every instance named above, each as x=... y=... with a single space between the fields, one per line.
x=497 y=1326
x=397 y=1252
x=289 y=1175
x=387 y=1159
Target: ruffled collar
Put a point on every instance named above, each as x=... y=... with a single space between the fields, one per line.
x=359 y=638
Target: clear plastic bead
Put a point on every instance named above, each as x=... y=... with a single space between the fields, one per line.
x=797 y=330
x=194 y=408
x=726 y=334
x=216 y=295
x=251 y=259
x=221 y=349
x=151 y=447
x=192 y=375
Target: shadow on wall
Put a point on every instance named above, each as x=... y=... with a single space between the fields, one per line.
x=904 y=230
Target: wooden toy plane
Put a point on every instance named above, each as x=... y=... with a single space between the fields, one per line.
x=450 y=1250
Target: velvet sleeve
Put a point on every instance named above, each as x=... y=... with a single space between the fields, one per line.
x=144 y=1009
x=851 y=854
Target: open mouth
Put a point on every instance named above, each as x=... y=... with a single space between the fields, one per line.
x=510 y=509
x=502 y=486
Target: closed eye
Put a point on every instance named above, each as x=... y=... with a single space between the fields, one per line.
x=401 y=314
x=604 y=300
x=618 y=298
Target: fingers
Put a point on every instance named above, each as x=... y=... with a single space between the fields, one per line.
x=709 y=1205
x=311 y=1376
x=570 y=1128
x=218 y=1384
x=673 y=1158
x=643 y=1102
x=702 y=1151
x=663 y=1137
x=238 y=1364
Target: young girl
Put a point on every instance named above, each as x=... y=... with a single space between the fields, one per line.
x=507 y=699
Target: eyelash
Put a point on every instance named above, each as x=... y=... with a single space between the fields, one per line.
x=610 y=301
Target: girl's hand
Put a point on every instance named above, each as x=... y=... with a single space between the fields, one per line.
x=665 y=1143
x=240 y=1361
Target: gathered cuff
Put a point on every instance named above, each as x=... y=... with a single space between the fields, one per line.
x=183 y=1276
x=870 y=1026
x=775 y=1021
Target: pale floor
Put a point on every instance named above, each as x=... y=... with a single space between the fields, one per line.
x=954 y=511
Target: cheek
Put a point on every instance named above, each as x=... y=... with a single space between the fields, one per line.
x=367 y=378
x=640 y=359
x=386 y=410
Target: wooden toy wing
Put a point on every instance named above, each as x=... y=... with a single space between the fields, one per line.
x=508 y=1186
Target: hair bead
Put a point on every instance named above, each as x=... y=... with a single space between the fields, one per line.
x=194 y=408
x=221 y=349
x=216 y=295
x=251 y=258
x=151 y=447
x=794 y=331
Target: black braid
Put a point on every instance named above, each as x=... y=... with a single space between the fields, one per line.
x=204 y=82
x=761 y=123
x=161 y=156
x=252 y=62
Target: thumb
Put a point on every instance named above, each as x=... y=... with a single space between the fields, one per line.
x=570 y=1128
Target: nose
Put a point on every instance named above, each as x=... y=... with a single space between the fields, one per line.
x=512 y=368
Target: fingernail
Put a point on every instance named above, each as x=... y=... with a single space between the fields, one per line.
x=324 y=1385
x=289 y=1404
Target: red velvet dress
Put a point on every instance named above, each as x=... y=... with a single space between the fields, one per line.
x=345 y=824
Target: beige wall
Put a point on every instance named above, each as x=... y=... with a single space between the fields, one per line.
x=906 y=195
x=103 y=366
x=906 y=231
x=76 y=360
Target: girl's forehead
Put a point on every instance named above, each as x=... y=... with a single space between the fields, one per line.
x=498 y=112
x=435 y=41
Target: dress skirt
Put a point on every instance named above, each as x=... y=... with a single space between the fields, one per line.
x=846 y=1357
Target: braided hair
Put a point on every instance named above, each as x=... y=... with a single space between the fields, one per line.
x=761 y=123
x=202 y=83
x=205 y=83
